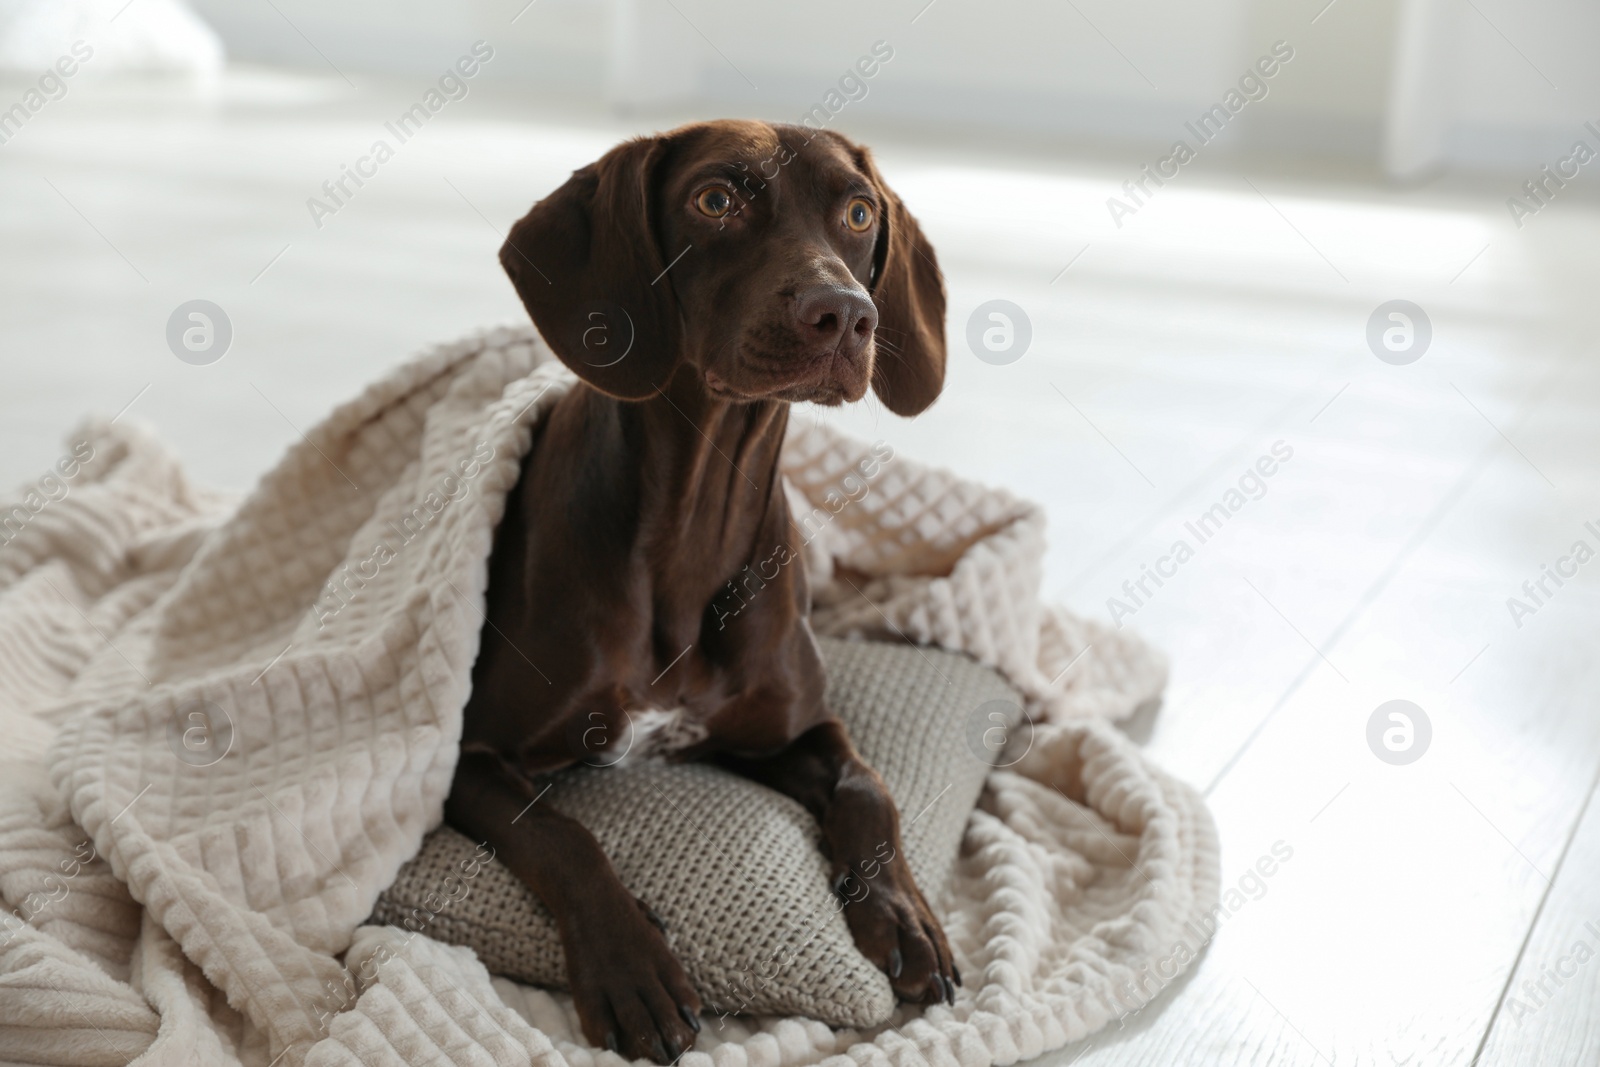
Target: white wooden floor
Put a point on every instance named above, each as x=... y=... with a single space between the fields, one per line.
x=1423 y=904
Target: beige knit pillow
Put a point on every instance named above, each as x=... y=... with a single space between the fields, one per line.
x=733 y=867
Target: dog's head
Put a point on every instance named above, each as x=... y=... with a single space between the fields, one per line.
x=773 y=259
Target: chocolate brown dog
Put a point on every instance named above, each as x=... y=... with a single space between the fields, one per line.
x=697 y=282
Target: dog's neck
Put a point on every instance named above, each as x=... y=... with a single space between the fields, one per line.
x=708 y=476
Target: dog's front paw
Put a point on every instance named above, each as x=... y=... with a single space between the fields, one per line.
x=895 y=929
x=631 y=992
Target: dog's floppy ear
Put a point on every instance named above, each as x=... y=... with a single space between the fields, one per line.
x=583 y=261
x=908 y=288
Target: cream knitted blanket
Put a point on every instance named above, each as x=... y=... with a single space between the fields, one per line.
x=251 y=708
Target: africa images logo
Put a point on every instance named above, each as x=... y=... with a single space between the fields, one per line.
x=1252 y=86
x=1252 y=485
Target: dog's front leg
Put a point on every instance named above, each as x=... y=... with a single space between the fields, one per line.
x=630 y=991
x=888 y=915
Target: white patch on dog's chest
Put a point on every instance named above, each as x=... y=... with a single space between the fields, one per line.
x=662 y=731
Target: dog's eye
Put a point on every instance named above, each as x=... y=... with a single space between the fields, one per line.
x=713 y=201
x=858 y=215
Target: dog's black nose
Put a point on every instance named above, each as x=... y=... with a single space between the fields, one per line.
x=832 y=318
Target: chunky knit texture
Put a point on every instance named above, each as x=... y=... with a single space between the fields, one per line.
x=732 y=867
x=251 y=714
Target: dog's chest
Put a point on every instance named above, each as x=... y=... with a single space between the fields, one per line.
x=657 y=732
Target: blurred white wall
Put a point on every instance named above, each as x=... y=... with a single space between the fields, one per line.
x=1502 y=82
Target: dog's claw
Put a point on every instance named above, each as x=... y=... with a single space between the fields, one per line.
x=838 y=883
x=955 y=972
x=893 y=926
x=631 y=993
